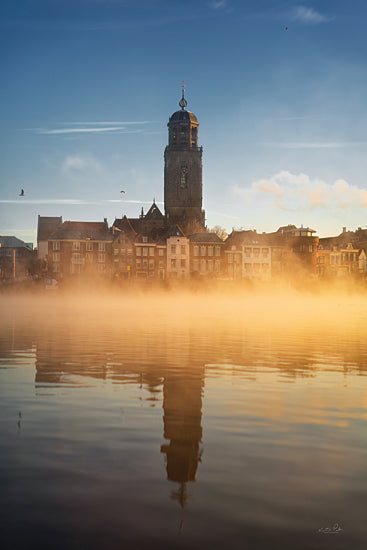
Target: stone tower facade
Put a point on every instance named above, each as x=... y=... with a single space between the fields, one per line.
x=183 y=179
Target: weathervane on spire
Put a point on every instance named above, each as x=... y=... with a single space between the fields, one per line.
x=183 y=102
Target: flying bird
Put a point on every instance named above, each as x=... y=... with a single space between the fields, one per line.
x=123 y=192
x=286 y=28
x=21 y=194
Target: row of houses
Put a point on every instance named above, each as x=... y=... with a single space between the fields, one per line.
x=144 y=248
x=141 y=248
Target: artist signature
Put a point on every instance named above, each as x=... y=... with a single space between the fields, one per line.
x=331 y=530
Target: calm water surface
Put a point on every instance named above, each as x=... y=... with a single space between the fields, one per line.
x=183 y=422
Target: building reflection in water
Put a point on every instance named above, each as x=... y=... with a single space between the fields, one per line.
x=62 y=362
x=182 y=427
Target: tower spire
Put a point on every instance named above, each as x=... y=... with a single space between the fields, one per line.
x=183 y=102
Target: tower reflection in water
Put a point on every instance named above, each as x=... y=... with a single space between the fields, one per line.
x=182 y=427
x=61 y=363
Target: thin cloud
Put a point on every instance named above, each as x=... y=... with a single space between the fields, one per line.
x=300 y=192
x=314 y=144
x=77 y=202
x=114 y=123
x=93 y=128
x=57 y=131
x=218 y=4
x=45 y=201
x=309 y=16
x=130 y=201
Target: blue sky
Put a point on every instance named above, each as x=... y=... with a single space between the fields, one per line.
x=88 y=87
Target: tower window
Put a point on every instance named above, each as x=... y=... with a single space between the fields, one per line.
x=183 y=176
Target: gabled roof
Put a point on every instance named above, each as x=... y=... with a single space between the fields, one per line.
x=154 y=213
x=46 y=226
x=13 y=242
x=82 y=231
x=124 y=224
x=206 y=237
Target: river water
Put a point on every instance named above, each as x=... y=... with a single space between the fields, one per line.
x=183 y=421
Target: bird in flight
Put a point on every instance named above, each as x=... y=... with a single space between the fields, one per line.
x=123 y=192
x=21 y=194
x=286 y=28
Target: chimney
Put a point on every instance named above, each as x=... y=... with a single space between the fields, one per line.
x=344 y=229
x=105 y=223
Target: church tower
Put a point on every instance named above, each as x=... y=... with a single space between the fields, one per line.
x=183 y=179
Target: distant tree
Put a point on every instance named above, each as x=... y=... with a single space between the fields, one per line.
x=192 y=227
x=220 y=231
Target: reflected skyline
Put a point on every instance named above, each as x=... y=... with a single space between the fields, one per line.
x=208 y=427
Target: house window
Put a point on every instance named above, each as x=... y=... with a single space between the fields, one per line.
x=173 y=263
x=56 y=268
x=89 y=246
x=76 y=258
x=230 y=258
x=202 y=266
x=151 y=251
x=217 y=266
x=248 y=268
x=202 y=250
x=151 y=264
x=138 y=264
x=101 y=268
x=76 y=245
x=265 y=252
x=145 y=264
x=173 y=249
x=196 y=250
x=138 y=250
x=247 y=252
x=56 y=245
x=161 y=264
x=115 y=251
x=145 y=239
x=256 y=252
x=217 y=250
x=210 y=266
x=123 y=251
x=183 y=262
x=101 y=258
x=56 y=256
x=160 y=252
x=145 y=251
x=183 y=250
x=210 y=251
x=196 y=265
x=102 y=247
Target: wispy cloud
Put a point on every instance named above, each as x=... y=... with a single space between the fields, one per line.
x=45 y=201
x=71 y=202
x=126 y=127
x=300 y=192
x=218 y=4
x=309 y=16
x=314 y=144
x=80 y=163
x=114 y=123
